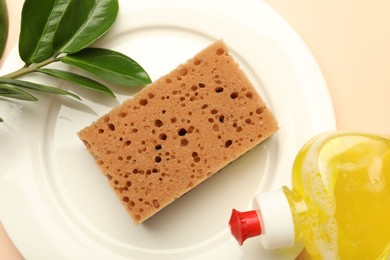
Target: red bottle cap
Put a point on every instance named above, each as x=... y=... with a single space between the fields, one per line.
x=244 y=225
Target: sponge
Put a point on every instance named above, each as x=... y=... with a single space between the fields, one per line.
x=178 y=131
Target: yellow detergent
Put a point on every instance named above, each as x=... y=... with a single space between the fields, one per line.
x=340 y=200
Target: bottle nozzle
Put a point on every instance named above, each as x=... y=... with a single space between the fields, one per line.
x=244 y=225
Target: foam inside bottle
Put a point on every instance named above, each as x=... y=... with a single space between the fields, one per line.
x=318 y=188
x=333 y=168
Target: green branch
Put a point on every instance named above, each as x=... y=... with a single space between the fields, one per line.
x=62 y=31
x=28 y=69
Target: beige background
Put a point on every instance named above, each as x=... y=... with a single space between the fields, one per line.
x=350 y=40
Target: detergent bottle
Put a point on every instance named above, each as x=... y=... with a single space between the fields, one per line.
x=339 y=204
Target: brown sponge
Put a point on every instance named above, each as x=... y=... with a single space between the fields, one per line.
x=178 y=131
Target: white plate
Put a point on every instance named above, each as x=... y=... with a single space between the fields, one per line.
x=55 y=204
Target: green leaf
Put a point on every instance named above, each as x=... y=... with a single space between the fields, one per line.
x=39 y=22
x=83 y=23
x=16 y=93
x=110 y=65
x=78 y=79
x=3 y=26
x=37 y=87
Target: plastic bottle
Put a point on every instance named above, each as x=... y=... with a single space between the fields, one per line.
x=339 y=206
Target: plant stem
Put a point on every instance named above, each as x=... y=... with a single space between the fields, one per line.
x=28 y=69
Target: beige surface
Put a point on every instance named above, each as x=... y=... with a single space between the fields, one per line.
x=351 y=42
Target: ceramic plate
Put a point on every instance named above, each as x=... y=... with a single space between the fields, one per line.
x=54 y=202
